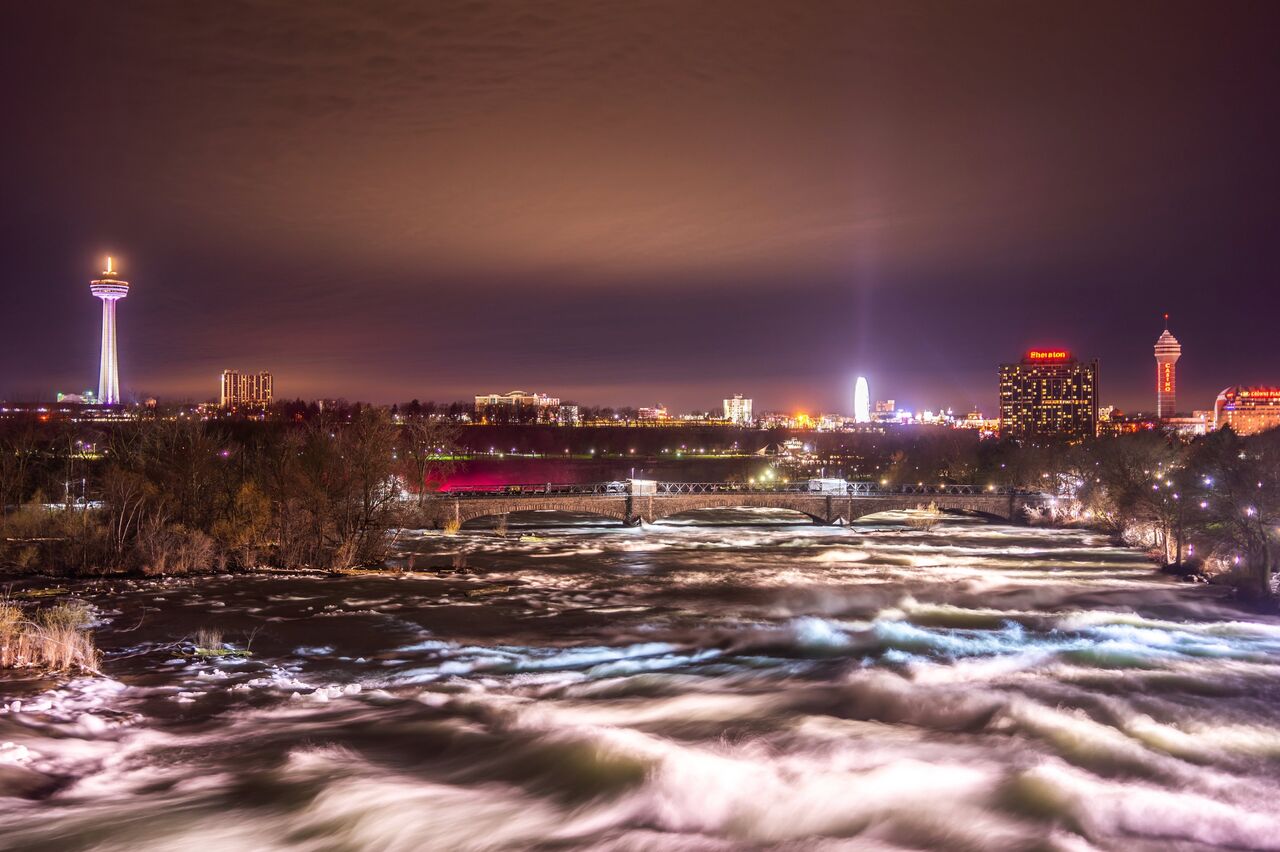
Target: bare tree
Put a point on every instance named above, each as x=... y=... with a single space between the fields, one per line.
x=18 y=452
x=427 y=451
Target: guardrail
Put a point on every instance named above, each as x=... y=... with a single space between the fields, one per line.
x=623 y=488
x=531 y=489
x=730 y=487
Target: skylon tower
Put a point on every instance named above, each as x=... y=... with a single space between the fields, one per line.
x=110 y=289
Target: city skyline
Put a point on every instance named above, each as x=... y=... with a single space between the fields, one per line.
x=254 y=390
x=668 y=228
x=110 y=289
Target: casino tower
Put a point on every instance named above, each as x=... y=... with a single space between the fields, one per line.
x=1168 y=351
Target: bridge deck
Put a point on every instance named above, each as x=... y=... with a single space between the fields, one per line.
x=632 y=503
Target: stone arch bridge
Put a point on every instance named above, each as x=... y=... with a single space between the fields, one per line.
x=634 y=501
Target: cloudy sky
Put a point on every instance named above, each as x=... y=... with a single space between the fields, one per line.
x=641 y=202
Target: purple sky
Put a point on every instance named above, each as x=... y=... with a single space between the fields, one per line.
x=633 y=203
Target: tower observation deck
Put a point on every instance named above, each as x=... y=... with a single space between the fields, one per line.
x=110 y=289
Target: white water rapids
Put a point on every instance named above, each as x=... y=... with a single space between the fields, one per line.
x=677 y=687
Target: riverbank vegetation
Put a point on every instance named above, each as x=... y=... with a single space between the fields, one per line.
x=1210 y=506
x=174 y=496
x=1214 y=503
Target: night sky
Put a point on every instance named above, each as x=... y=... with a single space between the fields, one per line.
x=633 y=203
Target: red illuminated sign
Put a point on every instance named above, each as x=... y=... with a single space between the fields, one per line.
x=1046 y=355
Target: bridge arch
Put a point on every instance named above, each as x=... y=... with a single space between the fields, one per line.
x=653 y=510
x=446 y=511
x=871 y=513
x=993 y=517
x=801 y=516
x=523 y=514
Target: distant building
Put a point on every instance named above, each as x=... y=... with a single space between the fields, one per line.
x=1117 y=423
x=861 y=401
x=975 y=420
x=245 y=390
x=86 y=398
x=568 y=415
x=885 y=411
x=517 y=406
x=775 y=420
x=658 y=412
x=1049 y=394
x=738 y=410
x=1186 y=427
x=66 y=409
x=1168 y=350
x=1247 y=410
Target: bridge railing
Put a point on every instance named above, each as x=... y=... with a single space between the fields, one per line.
x=623 y=488
x=531 y=489
x=730 y=487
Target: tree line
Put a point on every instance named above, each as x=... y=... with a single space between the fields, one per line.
x=1213 y=503
x=172 y=496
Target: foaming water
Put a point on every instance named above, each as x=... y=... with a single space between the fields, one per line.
x=681 y=686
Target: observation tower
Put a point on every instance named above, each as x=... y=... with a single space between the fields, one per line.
x=110 y=289
x=1168 y=351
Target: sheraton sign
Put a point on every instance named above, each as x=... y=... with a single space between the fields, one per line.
x=1047 y=356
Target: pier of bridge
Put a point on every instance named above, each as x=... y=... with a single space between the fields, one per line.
x=634 y=502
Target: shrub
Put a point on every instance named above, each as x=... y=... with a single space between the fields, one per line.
x=174 y=549
x=11 y=629
x=240 y=535
x=36 y=539
x=57 y=639
x=209 y=639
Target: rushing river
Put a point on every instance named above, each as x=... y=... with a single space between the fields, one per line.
x=676 y=687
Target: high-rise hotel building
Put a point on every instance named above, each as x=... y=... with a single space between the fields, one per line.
x=1247 y=410
x=245 y=390
x=1168 y=351
x=1049 y=394
x=738 y=410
